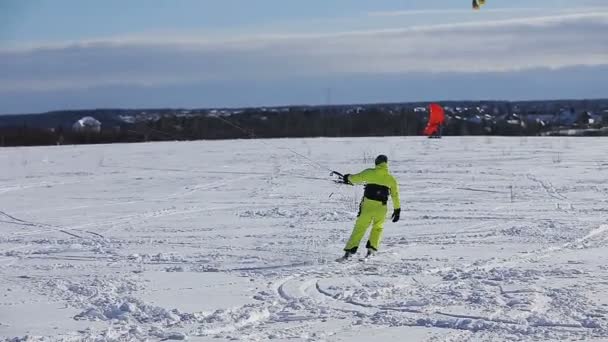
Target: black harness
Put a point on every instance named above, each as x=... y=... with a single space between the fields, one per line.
x=377 y=192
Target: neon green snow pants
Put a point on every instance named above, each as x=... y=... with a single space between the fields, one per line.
x=371 y=212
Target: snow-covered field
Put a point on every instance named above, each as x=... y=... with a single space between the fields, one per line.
x=500 y=239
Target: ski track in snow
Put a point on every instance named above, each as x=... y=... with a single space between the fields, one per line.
x=499 y=240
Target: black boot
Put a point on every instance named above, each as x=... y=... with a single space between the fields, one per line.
x=347 y=255
x=370 y=253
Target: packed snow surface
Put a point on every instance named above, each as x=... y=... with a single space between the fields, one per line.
x=500 y=239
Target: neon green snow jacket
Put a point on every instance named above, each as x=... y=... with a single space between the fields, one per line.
x=380 y=176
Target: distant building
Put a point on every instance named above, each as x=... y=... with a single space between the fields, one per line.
x=542 y=119
x=595 y=119
x=87 y=124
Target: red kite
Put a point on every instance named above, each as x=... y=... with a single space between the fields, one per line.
x=436 y=119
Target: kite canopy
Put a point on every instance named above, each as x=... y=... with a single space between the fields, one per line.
x=436 y=119
x=478 y=3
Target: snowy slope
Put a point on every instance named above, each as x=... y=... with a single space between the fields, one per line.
x=500 y=239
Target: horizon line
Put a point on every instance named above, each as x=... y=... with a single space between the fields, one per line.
x=302 y=105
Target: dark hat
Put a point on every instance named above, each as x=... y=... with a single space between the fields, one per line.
x=381 y=159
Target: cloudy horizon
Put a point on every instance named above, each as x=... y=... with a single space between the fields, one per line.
x=371 y=55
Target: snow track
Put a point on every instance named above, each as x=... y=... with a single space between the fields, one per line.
x=529 y=319
x=499 y=240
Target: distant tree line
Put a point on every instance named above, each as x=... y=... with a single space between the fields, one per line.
x=260 y=123
x=26 y=136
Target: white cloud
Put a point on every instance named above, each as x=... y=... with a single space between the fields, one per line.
x=486 y=11
x=490 y=46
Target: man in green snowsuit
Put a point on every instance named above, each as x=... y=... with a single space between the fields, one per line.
x=379 y=185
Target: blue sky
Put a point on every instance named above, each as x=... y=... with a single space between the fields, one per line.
x=69 y=54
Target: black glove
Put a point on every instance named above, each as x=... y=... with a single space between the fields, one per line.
x=345 y=179
x=396 y=214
